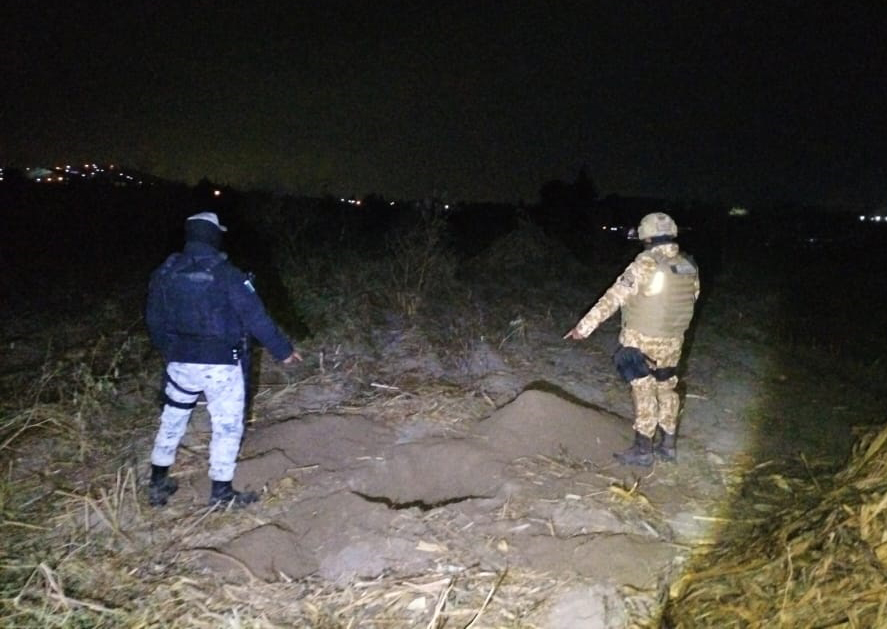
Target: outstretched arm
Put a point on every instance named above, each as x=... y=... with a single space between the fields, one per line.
x=626 y=285
x=257 y=322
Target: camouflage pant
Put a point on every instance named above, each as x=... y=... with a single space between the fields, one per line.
x=224 y=390
x=656 y=403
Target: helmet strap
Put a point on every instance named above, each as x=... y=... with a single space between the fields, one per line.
x=658 y=240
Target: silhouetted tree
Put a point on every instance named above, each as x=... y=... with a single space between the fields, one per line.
x=566 y=211
x=553 y=194
x=582 y=193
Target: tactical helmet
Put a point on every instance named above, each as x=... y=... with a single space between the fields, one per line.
x=657 y=224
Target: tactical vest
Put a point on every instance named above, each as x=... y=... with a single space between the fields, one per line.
x=194 y=303
x=664 y=307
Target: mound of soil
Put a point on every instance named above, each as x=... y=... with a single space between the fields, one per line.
x=528 y=488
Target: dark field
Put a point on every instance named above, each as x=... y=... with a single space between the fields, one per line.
x=457 y=311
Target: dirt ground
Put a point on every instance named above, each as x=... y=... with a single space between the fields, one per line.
x=375 y=471
x=408 y=481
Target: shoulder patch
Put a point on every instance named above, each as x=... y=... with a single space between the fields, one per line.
x=626 y=280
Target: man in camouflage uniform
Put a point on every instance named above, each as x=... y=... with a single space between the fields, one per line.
x=657 y=293
x=200 y=308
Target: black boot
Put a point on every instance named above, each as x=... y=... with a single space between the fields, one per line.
x=161 y=487
x=223 y=494
x=666 y=449
x=641 y=453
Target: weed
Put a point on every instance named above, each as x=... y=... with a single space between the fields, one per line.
x=417 y=261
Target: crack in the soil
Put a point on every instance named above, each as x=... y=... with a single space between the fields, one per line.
x=258 y=455
x=549 y=387
x=416 y=504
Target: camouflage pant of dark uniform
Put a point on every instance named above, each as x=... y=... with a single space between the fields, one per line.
x=656 y=402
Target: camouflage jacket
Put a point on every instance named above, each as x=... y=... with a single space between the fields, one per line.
x=633 y=279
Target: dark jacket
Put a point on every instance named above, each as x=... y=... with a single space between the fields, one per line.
x=200 y=307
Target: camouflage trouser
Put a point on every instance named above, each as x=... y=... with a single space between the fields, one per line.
x=224 y=390
x=656 y=403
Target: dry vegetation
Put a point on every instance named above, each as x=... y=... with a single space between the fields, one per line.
x=81 y=548
x=817 y=556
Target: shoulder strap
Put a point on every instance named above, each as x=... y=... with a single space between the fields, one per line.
x=183 y=262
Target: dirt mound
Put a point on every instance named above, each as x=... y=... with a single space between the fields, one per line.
x=372 y=503
x=432 y=473
x=538 y=422
x=331 y=442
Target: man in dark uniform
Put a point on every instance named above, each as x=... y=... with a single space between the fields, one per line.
x=200 y=307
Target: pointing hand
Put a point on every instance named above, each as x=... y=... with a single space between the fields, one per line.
x=292 y=357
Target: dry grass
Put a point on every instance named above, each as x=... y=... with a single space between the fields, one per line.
x=115 y=571
x=82 y=549
x=88 y=552
x=818 y=560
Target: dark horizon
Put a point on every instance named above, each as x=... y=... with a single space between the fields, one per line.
x=628 y=205
x=740 y=104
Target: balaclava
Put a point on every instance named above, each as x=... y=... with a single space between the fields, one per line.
x=199 y=230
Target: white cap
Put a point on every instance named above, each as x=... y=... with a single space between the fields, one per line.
x=210 y=217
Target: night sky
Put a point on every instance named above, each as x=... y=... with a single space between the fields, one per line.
x=741 y=102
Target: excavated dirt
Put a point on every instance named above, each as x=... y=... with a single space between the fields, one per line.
x=395 y=455
x=509 y=470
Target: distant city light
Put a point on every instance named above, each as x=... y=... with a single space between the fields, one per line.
x=738 y=211
x=65 y=174
x=216 y=193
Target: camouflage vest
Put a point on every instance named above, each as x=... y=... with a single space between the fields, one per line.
x=664 y=307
